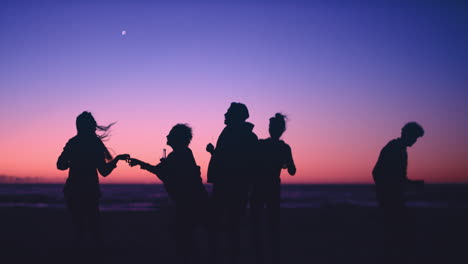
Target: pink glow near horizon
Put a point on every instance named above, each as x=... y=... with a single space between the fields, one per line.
x=322 y=152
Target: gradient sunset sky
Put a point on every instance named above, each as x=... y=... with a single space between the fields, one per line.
x=348 y=74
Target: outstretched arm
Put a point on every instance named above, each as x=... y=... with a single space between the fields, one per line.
x=143 y=165
x=107 y=168
x=159 y=170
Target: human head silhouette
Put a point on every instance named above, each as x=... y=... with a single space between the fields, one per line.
x=411 y=132
x=277 y=125
x=179 y=136
x=236 y=114
x=86 y=126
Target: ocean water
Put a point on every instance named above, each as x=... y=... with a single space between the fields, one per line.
x=144 y=197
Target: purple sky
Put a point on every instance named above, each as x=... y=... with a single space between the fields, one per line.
x=348 y=74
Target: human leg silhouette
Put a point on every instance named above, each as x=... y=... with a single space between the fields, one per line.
x=273 y=219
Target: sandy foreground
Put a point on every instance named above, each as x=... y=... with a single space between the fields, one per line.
x=325 y=235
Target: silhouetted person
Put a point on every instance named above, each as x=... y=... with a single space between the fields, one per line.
x=231 y=170
x=84 y=155
x=273 y=155
x=180 y=175
x=390 y=176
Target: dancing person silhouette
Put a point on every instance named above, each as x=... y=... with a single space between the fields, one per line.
x=391 y=180
x=231 y=170
x=273 y=155
x=84 y=155
x=180 y=175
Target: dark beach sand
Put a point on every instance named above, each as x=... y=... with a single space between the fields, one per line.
x=326 y=235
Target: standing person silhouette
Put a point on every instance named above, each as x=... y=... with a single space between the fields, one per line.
x=230 y=170
x=274 y=155
x=390 y=177
x=180 y=175
x=84 y=155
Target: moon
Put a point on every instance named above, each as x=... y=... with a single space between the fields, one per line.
x=124 y=32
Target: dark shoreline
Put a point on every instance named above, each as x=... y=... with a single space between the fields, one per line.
x=461 y=185
x=324 y=235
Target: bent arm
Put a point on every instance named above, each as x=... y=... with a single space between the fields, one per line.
x=63 y=163
x=106 y=168
x=290 y=163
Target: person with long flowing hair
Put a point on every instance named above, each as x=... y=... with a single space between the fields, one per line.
x=84 y=155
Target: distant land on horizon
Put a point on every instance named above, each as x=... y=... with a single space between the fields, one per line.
x=16 y=179
x=9 y=179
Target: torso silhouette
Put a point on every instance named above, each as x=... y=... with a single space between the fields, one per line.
x=274 y=156
x=181 y=177
x=390 y=169
x=232 y=162
x=83 y=155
